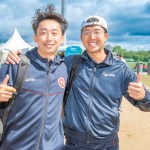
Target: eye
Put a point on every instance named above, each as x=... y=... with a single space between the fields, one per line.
x=55 y=33
x=86 y=32
x=97 y=32
x=43 y=33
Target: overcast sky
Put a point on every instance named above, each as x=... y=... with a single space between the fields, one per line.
x=128 y=20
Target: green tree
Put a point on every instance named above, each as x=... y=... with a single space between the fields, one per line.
x=117 y=50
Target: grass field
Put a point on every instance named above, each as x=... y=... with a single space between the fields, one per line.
x=132 y=64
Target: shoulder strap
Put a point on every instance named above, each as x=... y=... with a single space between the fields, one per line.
x=21 y=74
x=76 y=62
x=22 y=71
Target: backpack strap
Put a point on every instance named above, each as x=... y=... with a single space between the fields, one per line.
x=21 y=74
x=76 y=62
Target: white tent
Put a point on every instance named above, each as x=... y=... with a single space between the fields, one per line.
x=15 y=42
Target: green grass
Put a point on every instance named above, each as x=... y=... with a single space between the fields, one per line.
x=132 y=64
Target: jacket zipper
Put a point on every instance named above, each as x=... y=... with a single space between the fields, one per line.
x=44 y=114
x=90 y=112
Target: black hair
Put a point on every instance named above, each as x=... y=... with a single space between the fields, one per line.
x=48 y=13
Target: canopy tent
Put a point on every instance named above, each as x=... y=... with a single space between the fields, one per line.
x=15 y=42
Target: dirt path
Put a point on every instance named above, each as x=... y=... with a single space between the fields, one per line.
x=134 y=131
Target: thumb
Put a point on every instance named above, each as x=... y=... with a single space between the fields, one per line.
x=139 y=78
x=19 y=51
x=5 y=81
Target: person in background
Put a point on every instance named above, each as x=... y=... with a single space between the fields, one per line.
x=135 y=67
x=34 y=122
x=121 y=58
x=144 y=68
x=91 y=118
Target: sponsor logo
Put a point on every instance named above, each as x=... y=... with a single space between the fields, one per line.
x=29 y=80
x=108 y=74
x=61 y=82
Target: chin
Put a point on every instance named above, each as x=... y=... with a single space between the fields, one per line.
x=93 y=50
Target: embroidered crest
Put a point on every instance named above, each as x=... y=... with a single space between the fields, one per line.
x=61 y=82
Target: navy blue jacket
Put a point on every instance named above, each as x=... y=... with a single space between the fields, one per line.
x=34 y=122
x=95 y=97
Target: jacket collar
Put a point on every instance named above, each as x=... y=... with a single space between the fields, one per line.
x=43 y=63
x=33 y=54
x=107 y=61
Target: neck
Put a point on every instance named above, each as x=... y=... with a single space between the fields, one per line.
x=98 y=56
x=49 y=56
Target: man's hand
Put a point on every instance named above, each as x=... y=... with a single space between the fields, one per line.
x=136 y=89
x=6 y=91
x=13 y=57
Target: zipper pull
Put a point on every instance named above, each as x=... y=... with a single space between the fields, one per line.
x=94 y=69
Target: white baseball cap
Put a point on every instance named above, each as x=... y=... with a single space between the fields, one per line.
x=94 y=20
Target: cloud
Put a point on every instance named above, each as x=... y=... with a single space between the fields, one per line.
x=128 y=22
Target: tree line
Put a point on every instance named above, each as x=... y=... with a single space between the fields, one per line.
x=140 y=55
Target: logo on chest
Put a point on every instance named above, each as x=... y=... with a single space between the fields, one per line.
x=29 y=80
x=105 y=74
x=61 y=82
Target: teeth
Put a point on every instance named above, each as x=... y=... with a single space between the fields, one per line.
x=48 y=45
x=93 y=43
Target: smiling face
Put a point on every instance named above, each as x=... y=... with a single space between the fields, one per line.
x=94 y=38
x=48 y=37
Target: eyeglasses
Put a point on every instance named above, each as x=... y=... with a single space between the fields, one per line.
x=96 y=33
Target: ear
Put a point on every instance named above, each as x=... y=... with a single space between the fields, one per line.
x=35 y=38
x=81 y=37
x=62 y=39
x=106 y=36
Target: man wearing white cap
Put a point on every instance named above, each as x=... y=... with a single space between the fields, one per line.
x=92 y=110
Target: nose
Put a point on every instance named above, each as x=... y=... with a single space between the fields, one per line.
x=92 y=35
x=49 y=36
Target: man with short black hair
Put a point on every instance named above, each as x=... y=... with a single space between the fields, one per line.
x=34 y=121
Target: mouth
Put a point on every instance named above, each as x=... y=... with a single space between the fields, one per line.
x=48 y=45
x=92 y=43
